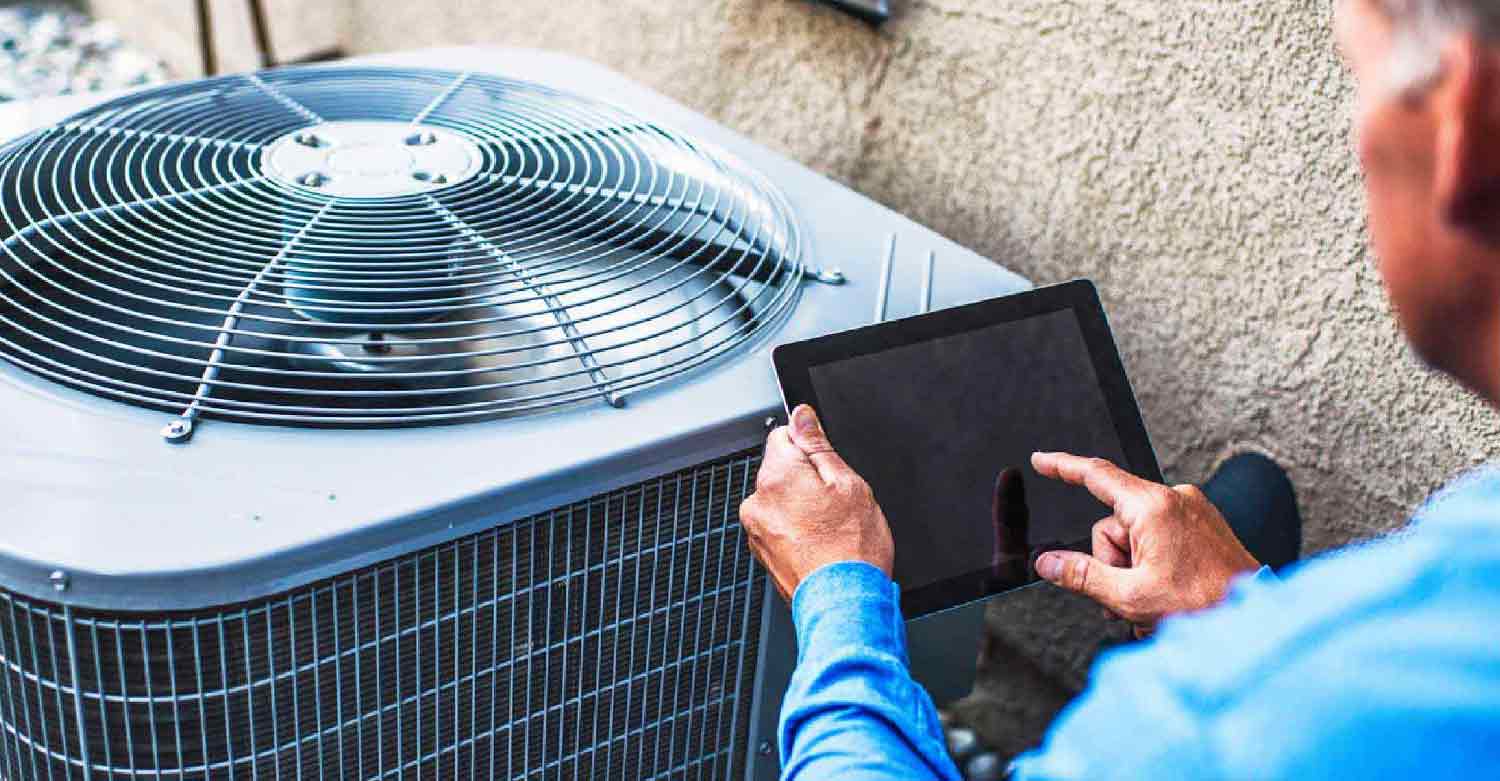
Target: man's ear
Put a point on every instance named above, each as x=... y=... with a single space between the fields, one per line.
x=1467 y=176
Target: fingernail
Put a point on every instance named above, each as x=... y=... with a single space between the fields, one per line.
x=1049 y=566
x=804 y=419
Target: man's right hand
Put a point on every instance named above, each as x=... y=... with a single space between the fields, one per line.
x=1162 y=551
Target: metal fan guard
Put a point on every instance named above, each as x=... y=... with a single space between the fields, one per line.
x=155 y=253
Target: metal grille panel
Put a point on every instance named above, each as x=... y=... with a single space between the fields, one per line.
x=612 y=638
x=154 y=250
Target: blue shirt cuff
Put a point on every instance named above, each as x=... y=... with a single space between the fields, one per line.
x=848 y=603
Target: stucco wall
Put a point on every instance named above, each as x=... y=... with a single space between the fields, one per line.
x=1190 y=156
x=169 y=29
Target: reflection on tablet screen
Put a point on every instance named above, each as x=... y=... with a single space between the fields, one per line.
x=943 y=430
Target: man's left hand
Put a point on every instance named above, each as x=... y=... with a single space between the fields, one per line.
x=810 y=509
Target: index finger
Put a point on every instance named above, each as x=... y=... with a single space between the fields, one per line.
x=1107 y=482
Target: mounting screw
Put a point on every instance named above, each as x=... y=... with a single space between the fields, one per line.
x=376 y=344
x=429 y=177
x=764 y=748
x=312 y=179
x=178 y=431
x=424 y=138
x=59 y=580
x=770 y=423
x=308 y=138
x=833 y=276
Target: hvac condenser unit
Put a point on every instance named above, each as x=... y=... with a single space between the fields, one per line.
x=390 y=420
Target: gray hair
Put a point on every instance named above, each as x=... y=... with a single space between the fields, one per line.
x=1422 y=26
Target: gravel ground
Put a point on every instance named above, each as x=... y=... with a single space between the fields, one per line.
x=51 y=49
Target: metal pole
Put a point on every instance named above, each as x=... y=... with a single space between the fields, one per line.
x=262 y=34
x=206 y=39
x=883 y=293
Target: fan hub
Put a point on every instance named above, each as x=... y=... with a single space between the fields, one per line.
x=371 y=159
x=376 y=160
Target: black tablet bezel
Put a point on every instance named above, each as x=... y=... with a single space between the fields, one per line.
x=793 y=363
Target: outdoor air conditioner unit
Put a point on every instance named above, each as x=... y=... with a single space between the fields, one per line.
x=389 y=419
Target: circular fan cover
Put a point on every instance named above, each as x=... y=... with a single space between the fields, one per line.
x=359 y=246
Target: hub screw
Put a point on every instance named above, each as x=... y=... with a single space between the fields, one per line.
x=377 y=345
x=308 y=138
x=312 y=179
x=764 y=748
x=423 y=138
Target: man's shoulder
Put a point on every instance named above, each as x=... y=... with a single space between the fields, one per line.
x=1449 y=554
x=1364 y=659
x=1440 y=572
x=1408 y=595
x=1470 y=502
x=1380 y=659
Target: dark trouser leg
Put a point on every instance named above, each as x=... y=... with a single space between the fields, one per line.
x=1256 y=497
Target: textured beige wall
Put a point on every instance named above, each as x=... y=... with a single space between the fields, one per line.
x=169 y=29
x=1190 y=156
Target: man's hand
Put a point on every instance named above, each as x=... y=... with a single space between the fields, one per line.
x=810 y=509
x=1163 y=551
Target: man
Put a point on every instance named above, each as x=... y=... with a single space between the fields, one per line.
x=1382 y=660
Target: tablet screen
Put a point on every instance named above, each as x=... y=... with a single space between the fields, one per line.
x=931 y=423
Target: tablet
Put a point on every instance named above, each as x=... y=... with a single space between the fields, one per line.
x=941 y=412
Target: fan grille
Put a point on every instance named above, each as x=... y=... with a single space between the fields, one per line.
x=153 y=254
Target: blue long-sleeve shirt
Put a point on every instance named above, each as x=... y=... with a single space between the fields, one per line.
x=1381 y=660
x=852 y=711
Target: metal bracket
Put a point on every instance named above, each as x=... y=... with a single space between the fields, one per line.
x=872 y=11
x=178 y=431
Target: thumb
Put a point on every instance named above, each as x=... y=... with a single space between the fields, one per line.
x=808 y=436
x=1086 y=575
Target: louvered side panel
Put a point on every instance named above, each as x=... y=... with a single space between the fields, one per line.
x=612 y=638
